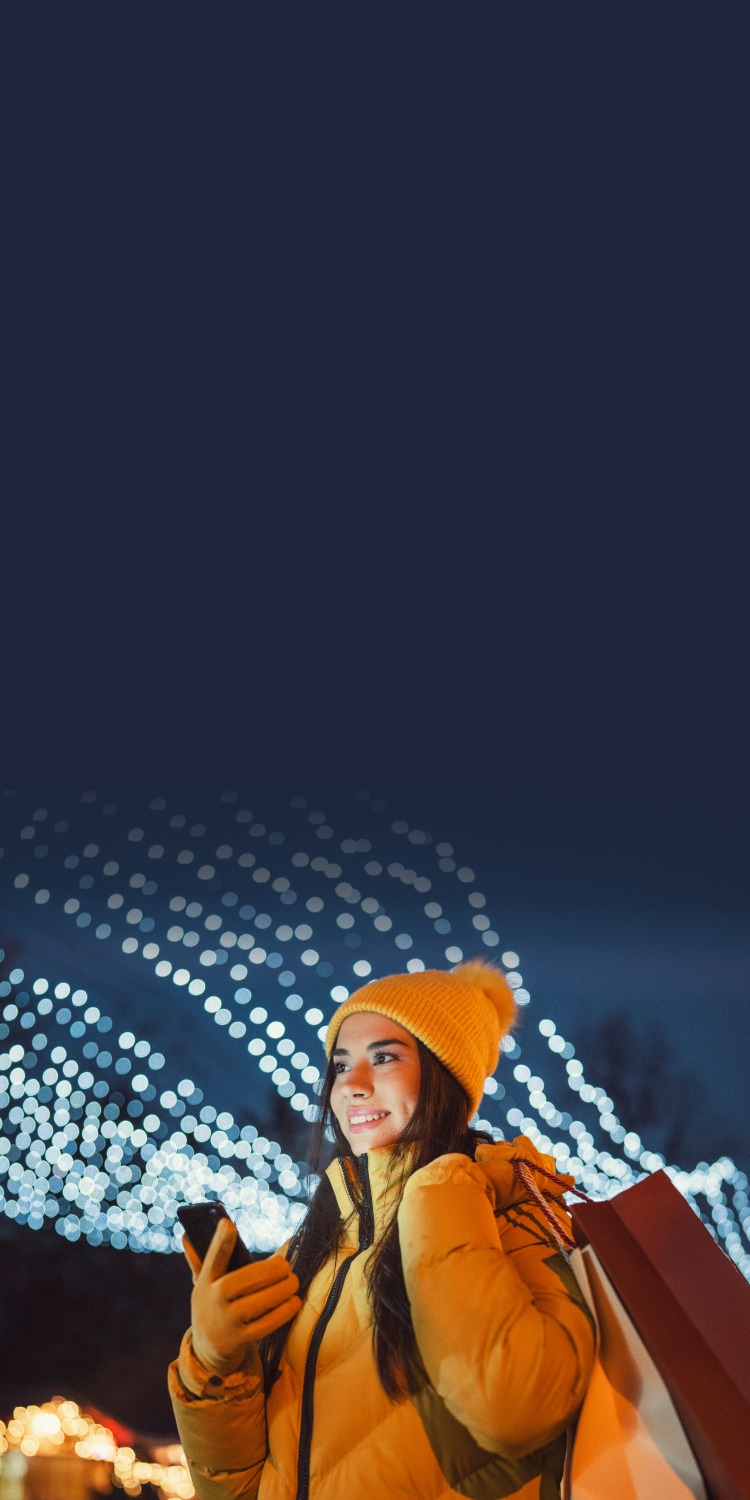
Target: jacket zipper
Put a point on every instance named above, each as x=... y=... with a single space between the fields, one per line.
x=366 y=1232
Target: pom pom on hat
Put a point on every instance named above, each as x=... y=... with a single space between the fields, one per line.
x=461 y=1015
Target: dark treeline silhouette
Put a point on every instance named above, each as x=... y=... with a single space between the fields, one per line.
x=666 y=1104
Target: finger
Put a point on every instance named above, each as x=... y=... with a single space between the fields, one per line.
x=254 y=1278
x=192 y=1257
x=255 y=1304
x=276 y=1319
x=219 y=1252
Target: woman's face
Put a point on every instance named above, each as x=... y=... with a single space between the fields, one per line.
x=376 y=1087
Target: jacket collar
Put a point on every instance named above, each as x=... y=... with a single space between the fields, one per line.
x=368 y=1185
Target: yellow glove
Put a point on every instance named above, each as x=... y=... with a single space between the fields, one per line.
x=234 y=1310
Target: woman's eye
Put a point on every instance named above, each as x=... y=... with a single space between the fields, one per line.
x=384 y=1056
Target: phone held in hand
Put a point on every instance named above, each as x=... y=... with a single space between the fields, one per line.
x=199 y=1221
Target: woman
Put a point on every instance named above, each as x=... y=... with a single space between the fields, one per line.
x=422 y=1335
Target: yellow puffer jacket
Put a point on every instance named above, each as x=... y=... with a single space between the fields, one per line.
x=500 y=1325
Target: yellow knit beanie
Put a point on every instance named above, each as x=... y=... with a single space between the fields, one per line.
x=461 y=1015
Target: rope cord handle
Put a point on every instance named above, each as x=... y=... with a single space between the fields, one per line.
x=523 y=1171
x=523 y=1162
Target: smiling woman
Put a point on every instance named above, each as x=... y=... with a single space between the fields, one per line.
x=424 y=1277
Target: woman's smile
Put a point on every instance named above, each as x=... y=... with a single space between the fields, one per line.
x=357 y=1120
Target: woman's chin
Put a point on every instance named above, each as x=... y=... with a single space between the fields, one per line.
x=361 y=1142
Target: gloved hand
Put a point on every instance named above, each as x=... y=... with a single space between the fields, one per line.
x=232 y=1311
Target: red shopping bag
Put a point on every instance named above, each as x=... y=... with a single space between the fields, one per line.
x=691 y=1307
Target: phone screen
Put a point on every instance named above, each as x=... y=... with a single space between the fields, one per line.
x=199 y=1220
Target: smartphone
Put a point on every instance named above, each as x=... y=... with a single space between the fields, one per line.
x=199 y=1221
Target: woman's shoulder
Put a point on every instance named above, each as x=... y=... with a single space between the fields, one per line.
x=509 y=1172
x=513 y=1175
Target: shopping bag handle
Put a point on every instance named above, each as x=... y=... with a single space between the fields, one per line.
x=524 y=1171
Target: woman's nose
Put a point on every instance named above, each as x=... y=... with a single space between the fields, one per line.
x=358 y=1080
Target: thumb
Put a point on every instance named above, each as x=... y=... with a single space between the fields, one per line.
x=219 y=1252
x=192 y=1257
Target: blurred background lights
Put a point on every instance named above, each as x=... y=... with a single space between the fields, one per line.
x=60 y=1429
x=102 y=1134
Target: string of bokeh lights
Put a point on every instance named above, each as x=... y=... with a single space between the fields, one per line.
x=119 y=1168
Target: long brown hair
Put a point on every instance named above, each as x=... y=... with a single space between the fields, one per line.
x=440 y=1124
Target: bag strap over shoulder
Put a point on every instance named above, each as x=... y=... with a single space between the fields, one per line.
x=524 y=1172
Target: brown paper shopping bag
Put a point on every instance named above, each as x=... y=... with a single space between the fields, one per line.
x=629 y=1443
x=691 y=1307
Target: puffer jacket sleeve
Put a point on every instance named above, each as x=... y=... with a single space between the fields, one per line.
x=222 y=1426
x=504 y=1341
